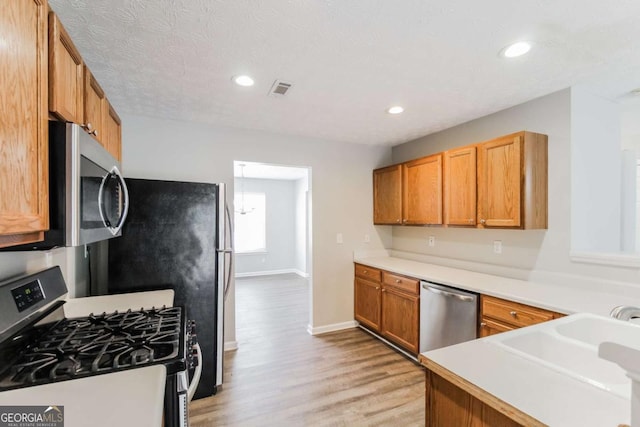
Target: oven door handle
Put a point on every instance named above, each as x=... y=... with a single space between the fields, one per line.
x=196 y=375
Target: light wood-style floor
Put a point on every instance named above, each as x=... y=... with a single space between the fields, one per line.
x=282 y=376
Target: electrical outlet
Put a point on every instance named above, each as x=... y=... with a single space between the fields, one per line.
x=497 y=246
x=339 y=238
x=48 y=259
x=432 y=241
x=367 y=238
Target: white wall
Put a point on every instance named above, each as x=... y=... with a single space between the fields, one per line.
x=71 y=262
x=280 y=226
x=341 y=192
x=536 y=254
x=301 y=224
x=596 y=171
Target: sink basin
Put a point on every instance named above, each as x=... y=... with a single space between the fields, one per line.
x=570 y=357
x=570 y=346
x=596 y=330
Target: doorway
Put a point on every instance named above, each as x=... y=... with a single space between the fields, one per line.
x=272 y=239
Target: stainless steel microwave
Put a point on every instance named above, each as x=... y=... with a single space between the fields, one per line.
x=88 y=198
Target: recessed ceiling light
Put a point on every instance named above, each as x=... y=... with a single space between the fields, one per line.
x=516 y=49
x=243 y=80
x=396 y=109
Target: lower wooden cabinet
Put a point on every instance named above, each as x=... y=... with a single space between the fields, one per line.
x=388 y=304
x=367 y=303
x=401 y=318
x=448 y=405
x=500 y=315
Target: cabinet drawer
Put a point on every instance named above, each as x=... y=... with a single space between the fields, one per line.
x=400 y=282
x=367 y=272
x=514 y=313
x=491 y=327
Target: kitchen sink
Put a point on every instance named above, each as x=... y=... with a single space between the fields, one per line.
x=570 y=346
x=595 y=330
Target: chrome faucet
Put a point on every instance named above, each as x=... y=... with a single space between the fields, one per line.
x=625 y=312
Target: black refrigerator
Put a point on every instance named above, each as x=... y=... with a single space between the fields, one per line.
x=177 y=236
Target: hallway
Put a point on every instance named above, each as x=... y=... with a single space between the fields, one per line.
x=280 y=375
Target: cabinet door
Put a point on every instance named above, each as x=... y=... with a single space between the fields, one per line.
x=93 y=106
x=113 y=131
x=400 y=318
x=367 y=303
x=387 y=195
x=24 y=204
x=422 y=190
x=460 y=186
x=500 y=178
x=66 y=90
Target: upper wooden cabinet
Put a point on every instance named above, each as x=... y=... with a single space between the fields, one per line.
x=387 y=195
x=500 y=183
x=24 y=202
x=94 y=104
x=460 y=186
x=422 y=190
x=113 y=131
x=512 y=181
x=66 y=74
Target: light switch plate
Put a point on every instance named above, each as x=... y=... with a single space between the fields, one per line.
x=432 y=241
x=339 y=238
x=497 y=246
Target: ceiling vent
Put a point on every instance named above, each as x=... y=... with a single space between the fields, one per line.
x=280 y=88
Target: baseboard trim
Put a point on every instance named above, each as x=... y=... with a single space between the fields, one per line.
x=230 y=345
x=268 y=272
x=331 y=328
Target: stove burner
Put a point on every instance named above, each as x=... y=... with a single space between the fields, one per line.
x=98 y=344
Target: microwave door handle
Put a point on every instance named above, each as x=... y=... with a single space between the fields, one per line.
x=125 y=208
x=125 y=203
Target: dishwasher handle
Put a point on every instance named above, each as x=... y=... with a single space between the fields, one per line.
x=450 y=294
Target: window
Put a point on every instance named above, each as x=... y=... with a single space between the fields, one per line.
x=250 y=222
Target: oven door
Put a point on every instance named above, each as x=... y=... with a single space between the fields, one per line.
x=99 y=199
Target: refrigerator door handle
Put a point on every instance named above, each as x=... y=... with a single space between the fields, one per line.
x=228 y=250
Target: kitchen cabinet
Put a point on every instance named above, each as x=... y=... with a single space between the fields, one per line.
x=94 y=104
x=422 y=191
x=24 y=203
x=450 y=402
x=367 y=296
x=460 y=186
x=387 y=195
x=400 y=311
x=113 y=131
x=388 y=304
x=512 y=181
x=66 y=74
x=500 y=315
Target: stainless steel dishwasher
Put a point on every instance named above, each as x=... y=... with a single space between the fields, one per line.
x=447 y=316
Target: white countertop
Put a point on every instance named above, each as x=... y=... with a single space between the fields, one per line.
x=80 y=307
x=129 y=398
x=562 y=299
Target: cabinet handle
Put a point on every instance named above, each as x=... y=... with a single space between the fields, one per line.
x=377 y=287
x=364 y=271
x=483 y=221
x=384 y=290
x=483 y=324
x=513 y=313
x=88 y=126
x=398 y=281
x=398 y=220
x=470 y=220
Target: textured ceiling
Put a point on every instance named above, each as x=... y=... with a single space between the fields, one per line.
x=348 y=60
